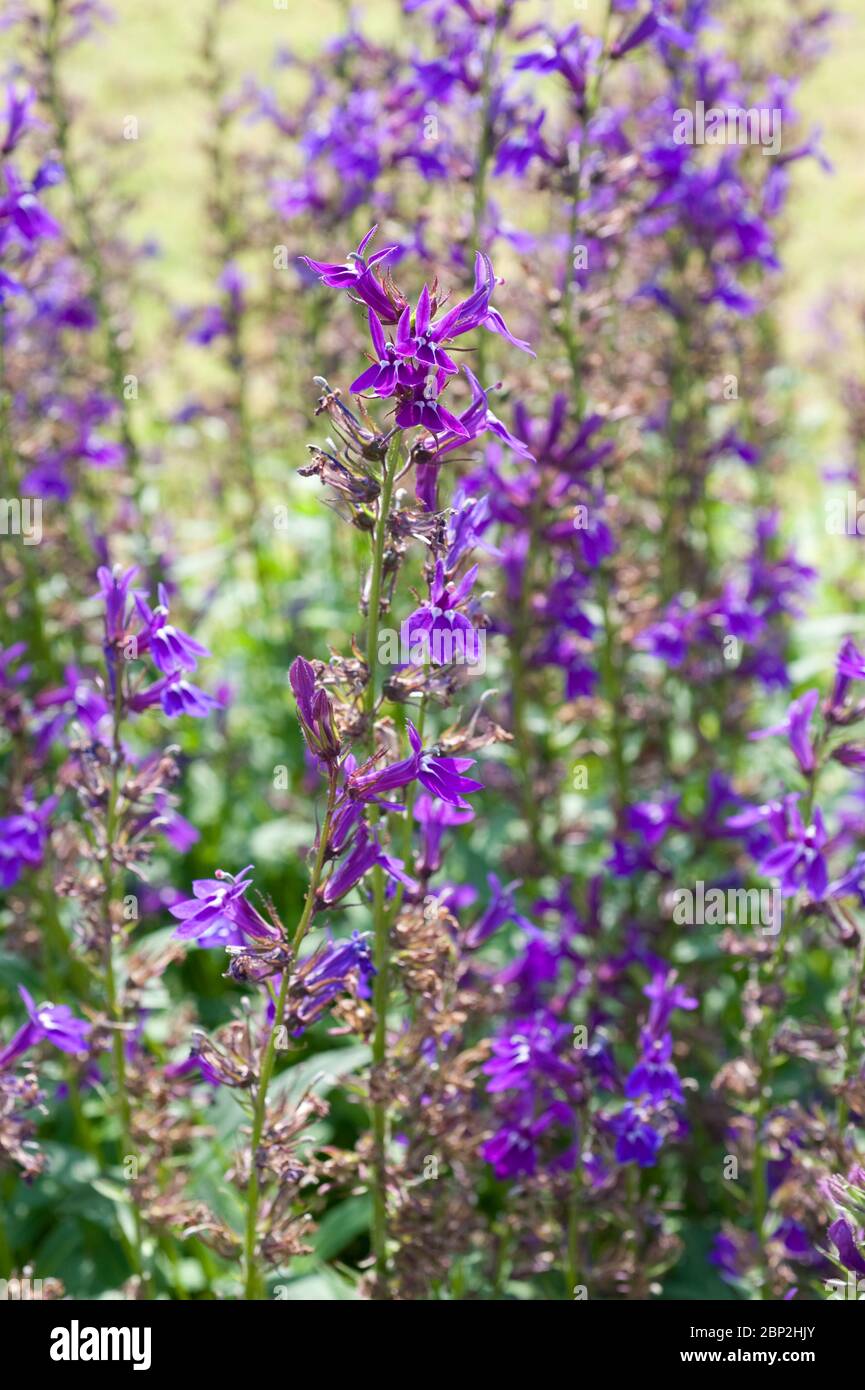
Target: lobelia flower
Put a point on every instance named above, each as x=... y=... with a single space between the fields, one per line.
x=23 y=838
x=797 y=724
x=382 y=377
x=666 y=995
x=438 y=627
x=356 y=274
x=850 y=666
x=315 y=712
x=420 y=340
x=654 y=819
x=794 y=855
x=171 y=649
x=418 y=404
x=434 y=816
x=420 y=337
x=627 y=859
x=534 y=1058
x=502 y=908
x=637 y=1140
x=441 y=776
x=9 y=657
x=114 y=586
x=572 y=53
x=364 y=853
x=54 y=1023
x=219 y=901
x=18 y=117
x=327 y=973
x=470 y=518
x=24 y=211
x=177 y=696
x=475 y=420
x=654 y=24
x=654 y=1075
x=75 y=699
x=844 y=1239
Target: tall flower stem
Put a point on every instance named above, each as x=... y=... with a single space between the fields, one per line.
x=380 y=913
x=37 y=642
x=850 y=1027
x=379 y=1057
x=224 y=203
x=113 y=996
x=389 y=472
x=486 y=147
x=115 y=355
x=253 y=1285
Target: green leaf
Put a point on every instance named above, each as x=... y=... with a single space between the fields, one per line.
x=339 y=1226
x=321 y=1072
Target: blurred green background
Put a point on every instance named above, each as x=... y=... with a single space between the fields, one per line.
x=145 y=65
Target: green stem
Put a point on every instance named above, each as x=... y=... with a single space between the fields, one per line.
x=253 y=1287
x=850 y=1028
x=379 y=1058
x=36 y=639
x=112 y=995
x=381 y=916
x=391 y=464
x=114 y=352
x=486 y=147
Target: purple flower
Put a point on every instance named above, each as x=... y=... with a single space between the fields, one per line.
x=363 y=855
x=356 y=274
x=637 y=1141
x=170 y=648
x=432 y=626
x=22 y=839
x=653 y=819
x=571 y=53
x=434 y=816
x=850 y=666
x=797 y=861
x=666 y=995
x=501 y=908
x=421 y=340
x=441 y=776
x=177 y=696
x=54 y=1023
x=115 y=588
x=17 y=117
x=654 y=1075
x=24 y=210
x=528 y=1048
x=219 y=902
x=844 y=1240
x=381 y=378
x=315 y=712
x=326 y=974
x=474 y=421
x=797 y=723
